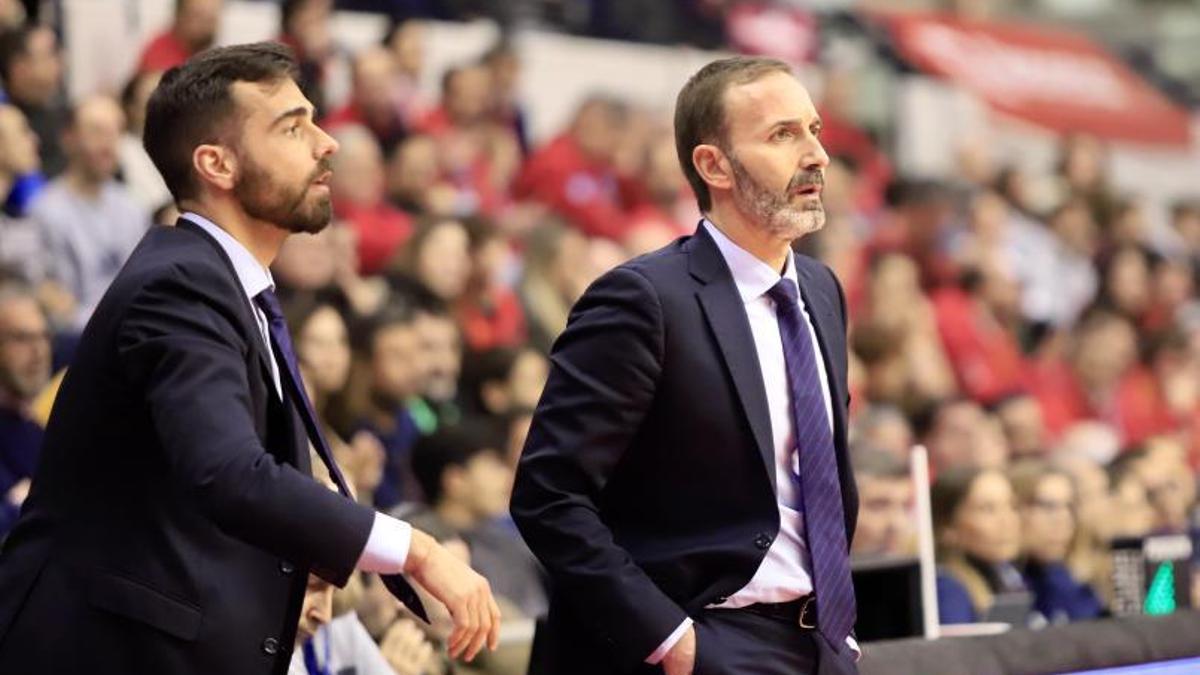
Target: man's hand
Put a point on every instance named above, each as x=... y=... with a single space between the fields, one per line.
x=682 y=657
x=463 y=591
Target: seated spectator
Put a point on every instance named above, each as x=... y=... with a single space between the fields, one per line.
x=898 y=340
x=24 y=373
x=405 y=39
x=957 y=433
x=978 y=535
x=885 y=494
x=388 y=372
x=1047 y=503
x=557 y=271
x=1057 y=293
x=90 y=223
x=438 y=257
x=884 y=427
x=489 y=311
x=1170 y=486
x=372 y=101
x=573 y=174
x=323 y=351
x=442 y=349
x=414 y=179
x=501 y=380
x=20 y=241
x=504 y=66
x=358 y=186
x=973 y=321
x=1020 y=417
x=31 y=68
x=1132 y=515
x=1125 y=283
x=467 y=483
x=193 y=30
x=137 y=171
x=1100 y=379
x=307 y=27
x=1089 y=558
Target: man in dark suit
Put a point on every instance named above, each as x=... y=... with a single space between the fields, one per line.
x=685 y=480
x=173 y=521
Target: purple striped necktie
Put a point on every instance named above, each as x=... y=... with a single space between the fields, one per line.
x=293 y=386
x=819 y=487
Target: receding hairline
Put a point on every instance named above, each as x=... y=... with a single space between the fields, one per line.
x=740 y=85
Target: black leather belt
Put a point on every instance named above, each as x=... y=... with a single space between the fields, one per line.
x=800 y=612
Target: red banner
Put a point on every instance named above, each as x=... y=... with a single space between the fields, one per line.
x=1054 y=78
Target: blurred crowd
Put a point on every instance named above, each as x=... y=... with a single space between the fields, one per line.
x=1038 y=334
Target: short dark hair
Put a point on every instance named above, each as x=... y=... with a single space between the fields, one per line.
x=193 y=104
x=873 y=462
x=396 y=312
x=700 y=110
x=449 y=446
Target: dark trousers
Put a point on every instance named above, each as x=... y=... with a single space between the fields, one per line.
x=737 y=642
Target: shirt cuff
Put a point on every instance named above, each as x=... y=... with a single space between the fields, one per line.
x=387 y=546
x=661 y=653
x=853 y=644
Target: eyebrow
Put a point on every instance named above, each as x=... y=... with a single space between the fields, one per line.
x=298 y=111
x=797 y=122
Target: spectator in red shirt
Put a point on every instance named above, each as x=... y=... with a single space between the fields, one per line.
x=478 y=155
x=489 y=311
x=193 y=30
x=574 y=175
x=373 y=103
x=972 y=322
x=358 y=198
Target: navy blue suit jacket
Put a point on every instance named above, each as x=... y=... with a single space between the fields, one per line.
x=647 y=483
x=172 y=521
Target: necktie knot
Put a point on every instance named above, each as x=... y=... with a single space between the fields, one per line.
x=270 y=306
x=785 y=294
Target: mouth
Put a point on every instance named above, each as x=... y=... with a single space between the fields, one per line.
x=323 y=179
x=809 y=190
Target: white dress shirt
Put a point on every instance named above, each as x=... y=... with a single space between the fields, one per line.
x=784 y=574
x=387 y=545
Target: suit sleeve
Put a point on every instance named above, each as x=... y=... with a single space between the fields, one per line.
x=182 y=350
x=604 y=370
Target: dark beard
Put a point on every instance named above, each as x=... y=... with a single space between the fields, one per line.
x=264 y=199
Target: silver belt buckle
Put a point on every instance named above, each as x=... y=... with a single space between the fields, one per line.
x=804 y=614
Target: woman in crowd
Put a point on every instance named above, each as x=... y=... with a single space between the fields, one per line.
x=1046 y=501
x=323 y=350
x=978 y=534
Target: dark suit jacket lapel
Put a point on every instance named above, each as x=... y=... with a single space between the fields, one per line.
x=247 y=312
x=822 y=311
x=726 y=316
x=297 y=439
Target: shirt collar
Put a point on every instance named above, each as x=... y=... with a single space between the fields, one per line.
x=253 y=277
x=752 y=276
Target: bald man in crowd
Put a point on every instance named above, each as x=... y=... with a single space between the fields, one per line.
x=89 y=222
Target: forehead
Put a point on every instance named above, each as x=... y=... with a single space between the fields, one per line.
x=769 y=99
x=264 y=102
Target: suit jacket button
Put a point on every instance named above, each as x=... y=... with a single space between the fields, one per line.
x=763 y=542
x=286 y=567
x=270 y=646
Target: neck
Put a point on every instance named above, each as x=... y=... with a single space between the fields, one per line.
x=455 y=515
x=261 y=238
x=82 y=183
x=756 y=240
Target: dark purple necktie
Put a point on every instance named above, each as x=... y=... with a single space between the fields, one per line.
x=293 y=386
x=820 y=489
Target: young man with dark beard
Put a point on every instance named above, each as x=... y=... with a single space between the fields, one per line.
x=173 y=521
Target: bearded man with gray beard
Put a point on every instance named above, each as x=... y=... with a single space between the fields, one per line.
x=685 y=480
